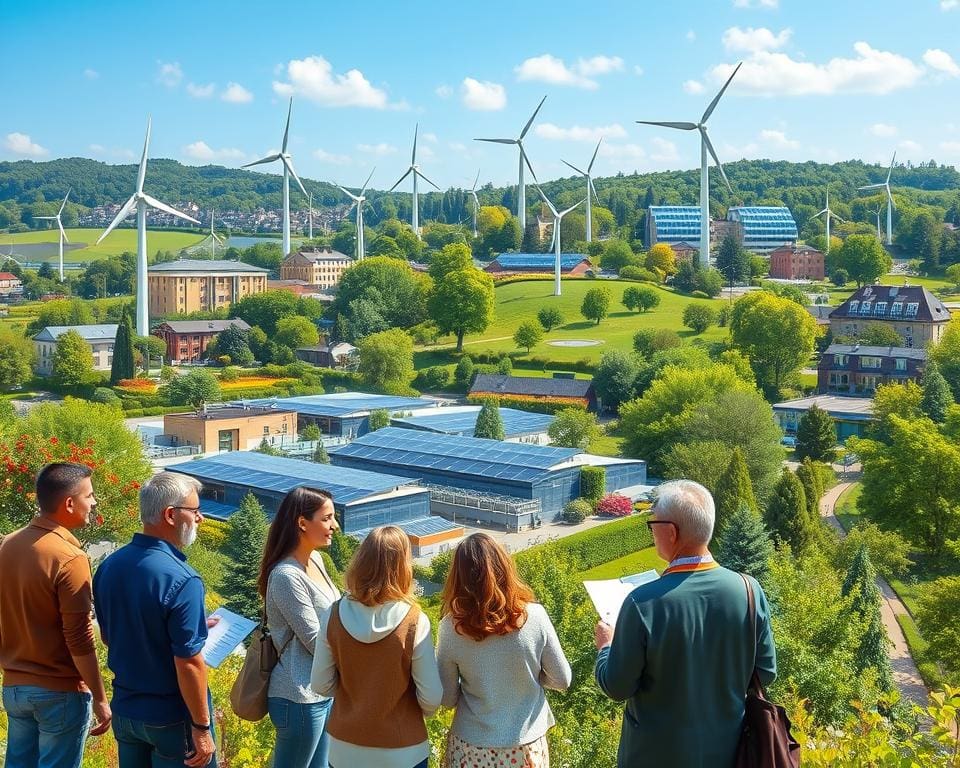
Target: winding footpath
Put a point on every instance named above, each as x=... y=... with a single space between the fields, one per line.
x=905 y=672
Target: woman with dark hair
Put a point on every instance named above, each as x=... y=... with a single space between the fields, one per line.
x=497 y=651
x=297 y=591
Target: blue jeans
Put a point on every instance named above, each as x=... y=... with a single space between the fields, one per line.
x=302 y=741
x=46 y=729
x=142 y=745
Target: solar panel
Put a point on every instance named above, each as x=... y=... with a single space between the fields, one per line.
x=544 y=260
x=343 y=404
x=462 y=422
x=423 y=526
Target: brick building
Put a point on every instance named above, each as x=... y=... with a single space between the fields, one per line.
x=911 y=310
x=192 y=285
x=859 y=369
x=320 y=268
x=797 y=262
x=230 y=428
x=187 y=340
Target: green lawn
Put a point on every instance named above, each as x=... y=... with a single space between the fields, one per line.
x=635 y=562
x=116 y=242
x=846 y=508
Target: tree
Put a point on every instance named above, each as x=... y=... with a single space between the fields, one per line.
x=614 y=378
x=733 y=261
x=640 y=298
x=809 y=477
x=927 y=235
x=463 y=303
x=860 y=585
x=648 y=341
x=310 y=433
x=401 y=294
x=946 y=354
x=840 y=277
x=16 y=359
x=953 y=275
x=386 y=359
x=463 y=373
x=616 y=255
x=550 y=318
x=320 y=455
x=295 y=332
x=194 y=389
x=596 y=304
x=122 y=365
x=903 y=400
x=573 y=428
x=72 y=360
x=937 y=611
x=528 y=335
x=880 y=335
x=489 y=422
x=775 y=333
x=816 y=435
x=234 y=342
x=734 y=490
x=703 y=461
x=698 y=317
x=937 y=397
x=243 y=548
x=451 y=258
x=378 y=419
x=786 y=514
x=661 y=258
x=265 y=309
x=864 y=259
x=743 y=544
x=888 y=550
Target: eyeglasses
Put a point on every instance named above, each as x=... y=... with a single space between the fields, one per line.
x=651 y=523
x=194 y=510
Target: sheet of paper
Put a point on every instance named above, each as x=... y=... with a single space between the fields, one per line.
x=225 y=635
x=608 y=595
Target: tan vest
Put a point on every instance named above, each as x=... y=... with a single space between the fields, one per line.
x=375 y=704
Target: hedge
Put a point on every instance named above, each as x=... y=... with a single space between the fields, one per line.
x=529 y=403
x=598 y=545
x=593 y=482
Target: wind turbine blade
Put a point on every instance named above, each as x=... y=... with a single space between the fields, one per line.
x=413 y=157
x=499 y=141
x=891 y=166
x=571 y=165
x=286 y=131
x=678 y=126
x=348 y=193
x=843 y=221
x=532 y=118
x=819 y=213
x=590 y=167
x=128 y=208
x=400 y=179
x=64 y=203
x=62 y=231
x=716 y=99
x=873 y=186
x=526 y=159
x=154 y=203
x=713 y=154
x=890 y=198
x=576 y=205
x=289 y=165
x=142 y=172
x=549 y=204
x=553 y=236
x=595 y=195
x=367 y=182
x=475 y=181
x=426 y=179
x=51 y=218
x=262 y=161
x=352 y=205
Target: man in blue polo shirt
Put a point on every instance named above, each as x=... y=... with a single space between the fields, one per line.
x=149 y=604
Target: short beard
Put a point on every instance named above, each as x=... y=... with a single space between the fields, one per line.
x=187 y=534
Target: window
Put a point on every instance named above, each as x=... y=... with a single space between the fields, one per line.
x=853 y=306
x=841 y=359
x=266 y=431
x=870 y=362
x=897 y=309
x=865 y=307
x=912 y=308
x=900 y=364
x=881 y=309
x=284 y=430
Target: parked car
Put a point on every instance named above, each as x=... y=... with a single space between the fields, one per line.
x=789 y=441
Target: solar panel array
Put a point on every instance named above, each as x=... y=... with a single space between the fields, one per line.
x=463 y=422
x=534 y=260
x=460 y=455
x=343 y=404
x=277 y=473
x=424 y=526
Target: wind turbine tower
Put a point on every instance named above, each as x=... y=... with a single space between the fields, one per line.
x=879 y=233
x=63 y=235
x=284 y=157
x=590 y=188
x=827 y=214
x=139 y=201
x=415 y=170
x=476 y=202
x=521 y=190
x=557 y=218
x=214 y=237
x=705 y=147
x=358 y=201
x=890 y=202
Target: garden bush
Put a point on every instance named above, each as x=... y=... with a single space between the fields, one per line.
x=615 y=505
x=699 y=295
x=576 y=511
x=598 y=545
x=593 y=481
x=433 y=378
x=640 y=274
x=106 y=396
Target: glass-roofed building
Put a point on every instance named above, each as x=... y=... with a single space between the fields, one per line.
x=570 y=263
x=673 y=224
x=759 y=228
x=764 y=228
x=518 y=426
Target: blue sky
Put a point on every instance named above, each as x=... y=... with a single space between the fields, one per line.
x=821 y=81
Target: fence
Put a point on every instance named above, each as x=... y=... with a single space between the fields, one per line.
x=511 y=512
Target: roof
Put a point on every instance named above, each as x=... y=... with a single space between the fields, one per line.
x=107 y=332
x=461 y=420
x=281 y=474
x=539 y=260
x=860 y=408
x=344 y=404
x=8 y=276
x=203 y=326
x=322 y=255
x=683 y=245
x=490 y=459
x=909 y=303
x=219 y=412
x=531 y=385
x=420 y=527
x=793 y=248
x=341 y=348
x=861 y=349
x=207 y=265
x=216 y=510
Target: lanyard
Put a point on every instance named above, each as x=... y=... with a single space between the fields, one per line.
x=690 y=564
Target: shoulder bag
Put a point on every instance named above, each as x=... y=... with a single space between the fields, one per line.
x=248 y=697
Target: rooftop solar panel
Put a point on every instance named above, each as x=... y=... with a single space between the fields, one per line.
x=344 y=404
x=462 y=422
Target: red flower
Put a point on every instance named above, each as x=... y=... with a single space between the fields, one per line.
x=99 y=519
x=53 y=441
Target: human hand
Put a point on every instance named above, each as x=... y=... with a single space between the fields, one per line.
x=602 y=634
x=102 y=715
x=203 y=749
x=212 y=621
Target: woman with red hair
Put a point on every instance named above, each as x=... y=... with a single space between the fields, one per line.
x=497 y=651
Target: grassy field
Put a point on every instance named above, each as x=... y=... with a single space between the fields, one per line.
x=635 y=562
x=846 y=508
x=116 y=242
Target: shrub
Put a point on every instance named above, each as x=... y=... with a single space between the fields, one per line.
x=593 y=481
x=224 y=360
x=576 y=511
x=230 y=373
x=640 y=274
x=698 y=317
x=435 y=377
x=529 y=402
x=505 y=366
x=167 y=373
x=105 y=395
x=599 y=545
x=615 y=505
x=699 y=295
x=463 y=374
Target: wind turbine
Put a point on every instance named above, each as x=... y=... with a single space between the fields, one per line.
x=829 y=215
x=310 y=216
x=590 y=188
x=139 y=201
x=415 y=170
x=358 y=201
x=63 y=235
x=705 y=146
x=557 y=217
x=476 y=202
x=521 y=190
x=879 y=233
x=284 y=157
x=890 y=202
x=214 y=237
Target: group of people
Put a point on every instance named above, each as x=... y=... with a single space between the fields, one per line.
x=358 y=672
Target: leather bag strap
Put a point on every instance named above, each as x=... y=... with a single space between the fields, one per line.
x=755 y=683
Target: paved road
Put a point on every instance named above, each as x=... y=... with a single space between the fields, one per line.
x=905 y=673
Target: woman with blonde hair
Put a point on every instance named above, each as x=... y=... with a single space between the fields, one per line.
x=375 y=656
x=497 y=651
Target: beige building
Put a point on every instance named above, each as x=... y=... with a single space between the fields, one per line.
x=319 y=268
x=231 y=428
x=192 y=285
x=911 y=310
x=101 y=339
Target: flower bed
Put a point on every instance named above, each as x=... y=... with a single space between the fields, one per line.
x=138 y=386
x=615 y=505
x=254 y=381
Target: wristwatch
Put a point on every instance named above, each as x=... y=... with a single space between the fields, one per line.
x=199 y=727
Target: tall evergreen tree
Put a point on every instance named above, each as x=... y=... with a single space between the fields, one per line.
x=786 y=516
x=861 y=583
x=816 y=436
x=812 y=488
x=744 y=544
x=243 y=547
x=122 y=365
x=320 y=455
x=734 y=489
x=937 y=396
x=489 y=422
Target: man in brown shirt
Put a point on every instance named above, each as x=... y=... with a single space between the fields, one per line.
x=50 y=672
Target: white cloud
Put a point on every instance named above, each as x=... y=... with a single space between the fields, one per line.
x=314 y=78
x=425 y=153
x=615 y=151
x=942 y=62
x=691 y=35
x=202 y=152
x=201 y=91
x=236 y=94
x=753 y=40
x=443 y=91
x=431 y=137
x=949 y=5
x=580 y=133
x=638 y=70
x=549 y=69
x=778 y=139
x=91 y=74
x=883 y=130
x=379 y=150
x=330 y=158
x=752 y=4
x=482 y=96
x=21 y=144
x=693 y=86
x=169 y=73
x=664 y=151
x=953 y=147
x=909 y=145
x=776 y=74
x=731 y=152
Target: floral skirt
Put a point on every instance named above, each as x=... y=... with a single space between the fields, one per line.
x=462 y=755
